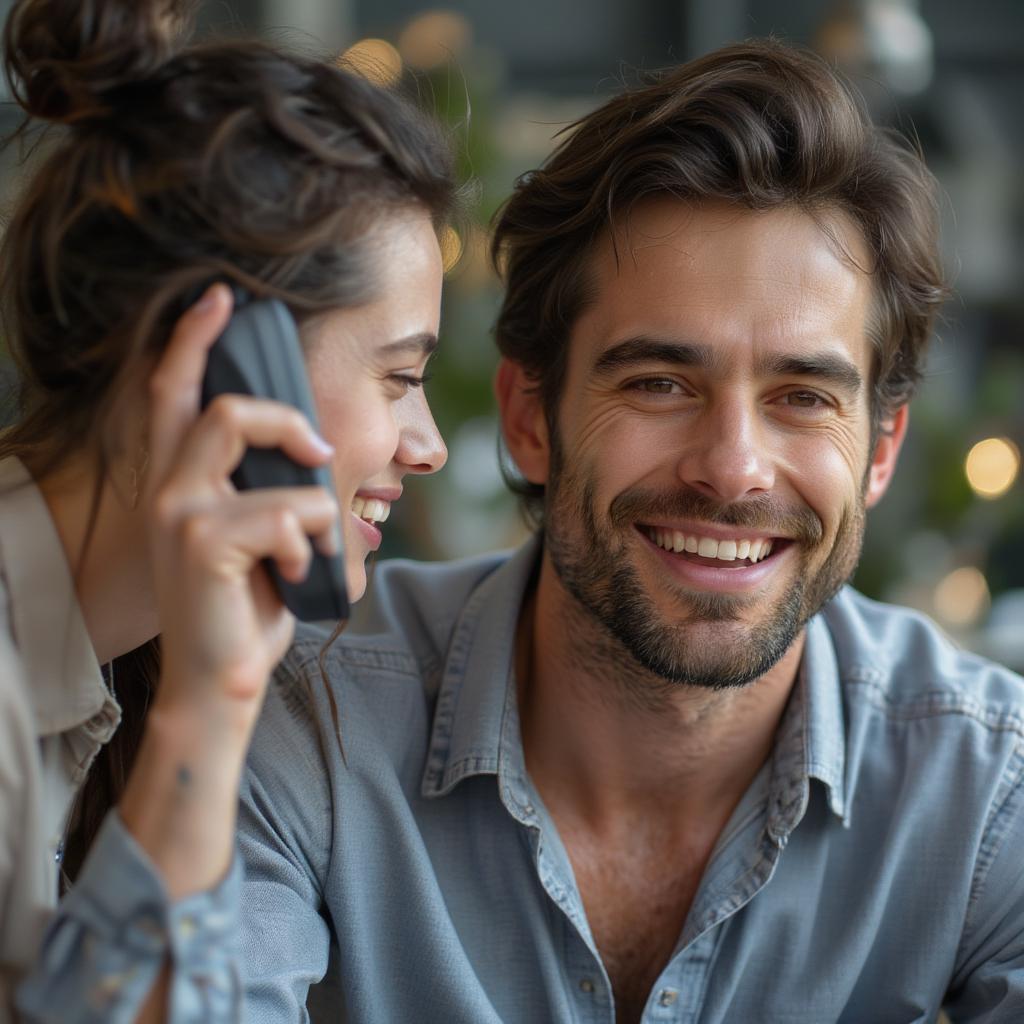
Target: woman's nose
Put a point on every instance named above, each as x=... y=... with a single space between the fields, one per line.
x=421 y=449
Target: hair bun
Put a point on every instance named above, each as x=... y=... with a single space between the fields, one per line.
x=63 y=56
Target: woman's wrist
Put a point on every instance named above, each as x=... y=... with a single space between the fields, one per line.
x=181 y=799
x=197 y=714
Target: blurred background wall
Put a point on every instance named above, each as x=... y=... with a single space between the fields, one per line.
x=949 y=538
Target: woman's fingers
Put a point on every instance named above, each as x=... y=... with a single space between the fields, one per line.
x=228 y=539
x=176 y=383
x=216 y=442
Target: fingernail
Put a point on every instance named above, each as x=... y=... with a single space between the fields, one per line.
x=330 y=543
x=325 y=447
x=207 y=301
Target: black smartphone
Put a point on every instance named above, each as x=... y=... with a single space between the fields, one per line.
x=259 y=354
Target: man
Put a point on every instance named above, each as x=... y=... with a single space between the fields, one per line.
x=661 y=764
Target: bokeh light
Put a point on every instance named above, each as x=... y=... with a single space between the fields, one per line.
x=432 y=38
x=451 y=248
x=962 y=597
x=375 y=59
x=992 y=467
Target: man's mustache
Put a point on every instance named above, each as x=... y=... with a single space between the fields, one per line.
x=765 y=512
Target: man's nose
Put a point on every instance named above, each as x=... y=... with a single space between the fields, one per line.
x=728 y=457
x=421 y=449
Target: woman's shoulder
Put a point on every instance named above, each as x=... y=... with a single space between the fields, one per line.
x=15 y=703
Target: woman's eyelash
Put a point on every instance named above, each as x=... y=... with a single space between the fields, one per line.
x=410 y=380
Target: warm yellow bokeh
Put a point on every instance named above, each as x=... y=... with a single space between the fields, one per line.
x=451 y=248
x=432 y=38
x=375 y=59
x=962 y=597
x=992 y=466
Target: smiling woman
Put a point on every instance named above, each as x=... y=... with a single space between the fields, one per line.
x=125 y=715
x=366 y=367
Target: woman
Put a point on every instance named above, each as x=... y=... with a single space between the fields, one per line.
x=179 y=168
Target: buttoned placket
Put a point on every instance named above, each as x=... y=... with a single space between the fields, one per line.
x=749 y=853
x=587 y=980
x=738 y=871
x=740 y=868
x=679 y=991
x=750 y=857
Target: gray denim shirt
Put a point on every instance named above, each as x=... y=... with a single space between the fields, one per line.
x=873 y=872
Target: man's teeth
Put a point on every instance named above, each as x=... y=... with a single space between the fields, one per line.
x=708 y=547
x=373 y=510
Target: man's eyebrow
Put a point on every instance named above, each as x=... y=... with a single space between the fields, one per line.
x=424 y=344
x=653 y=350
x=825 y=366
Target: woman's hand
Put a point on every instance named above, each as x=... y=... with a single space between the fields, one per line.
x=223 y=626
x=222 y=623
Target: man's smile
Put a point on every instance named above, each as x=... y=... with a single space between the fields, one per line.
x=739 y=550
x=741 y=562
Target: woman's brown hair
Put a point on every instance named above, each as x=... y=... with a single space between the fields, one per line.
x=759 y=124
x=178 y=165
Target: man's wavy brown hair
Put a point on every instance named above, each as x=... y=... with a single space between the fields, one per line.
x=760 y=124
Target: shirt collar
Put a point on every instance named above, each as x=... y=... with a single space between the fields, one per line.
x=475 y=721
x=64 y=680
x=811 y=740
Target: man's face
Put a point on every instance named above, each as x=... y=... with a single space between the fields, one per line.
x=710 y=469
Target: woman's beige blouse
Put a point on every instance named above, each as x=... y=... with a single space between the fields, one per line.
x=55 y=714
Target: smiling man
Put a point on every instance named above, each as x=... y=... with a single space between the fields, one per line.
x=662 y=764
x=718 y=419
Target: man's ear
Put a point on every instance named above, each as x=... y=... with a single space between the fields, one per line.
x=891 y=433
x=523 y=422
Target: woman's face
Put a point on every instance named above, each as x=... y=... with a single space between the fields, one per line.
x=366 y=366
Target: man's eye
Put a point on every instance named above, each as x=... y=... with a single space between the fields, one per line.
x=656 y=386
x=804 y=400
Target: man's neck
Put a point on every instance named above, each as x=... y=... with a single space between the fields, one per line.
x=603 y=755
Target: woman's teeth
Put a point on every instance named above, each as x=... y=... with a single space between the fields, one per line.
x=373 y=510
x=708 y=547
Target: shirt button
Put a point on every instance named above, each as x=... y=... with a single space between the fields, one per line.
x=188 y=927
x=108 y=989
x=586 y=985
x=667 y=996
x=151 y=929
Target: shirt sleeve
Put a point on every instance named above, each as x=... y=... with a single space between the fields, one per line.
x=112 y=934
x=23 y=896
x=989 y=982
x=285 y=823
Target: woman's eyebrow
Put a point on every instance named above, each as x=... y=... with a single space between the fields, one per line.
x=422 y=344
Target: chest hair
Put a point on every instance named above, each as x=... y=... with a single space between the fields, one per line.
x=636 y=894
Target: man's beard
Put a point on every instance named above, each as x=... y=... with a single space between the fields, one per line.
x=591 y=560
